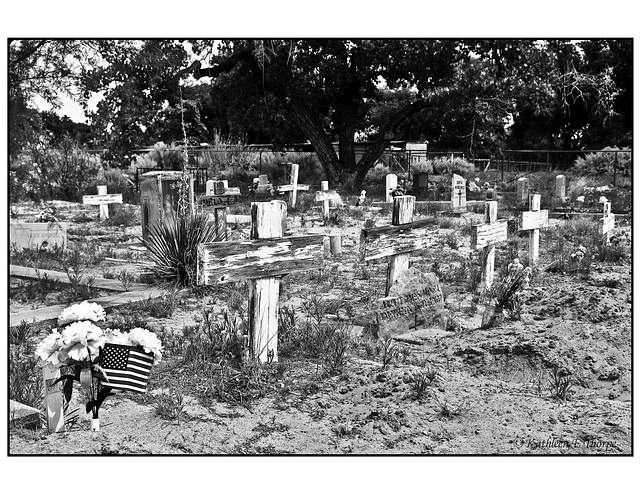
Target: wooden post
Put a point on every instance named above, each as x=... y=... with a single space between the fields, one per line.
x=522 y=190
x=324 y=187
x=294 y=183
x=608 y=222
x=402 y=214
x=486 y=235
x=533 y=220
x=261 y=260
x=53 y=399
x=391 y=184
x=103 y=200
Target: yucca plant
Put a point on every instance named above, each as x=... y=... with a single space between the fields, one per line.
x=173 y=246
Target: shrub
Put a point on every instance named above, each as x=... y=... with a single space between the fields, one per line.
x=599 y=164
x=173 y=246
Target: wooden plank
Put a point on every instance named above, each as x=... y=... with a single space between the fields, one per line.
x=485 y=234
x=237 y=219
x=234 y=261
x=533 y=220
x=389 y=240
x=217 y=201
x=101 y=283
x=104 y=199
x=289 y=187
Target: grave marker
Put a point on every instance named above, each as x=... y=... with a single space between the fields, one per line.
x=262 y=261
x=522 y=190
x=458 y=193
x=103 y=199
x=391 y=182
x=216 y=201
x=38 y=235
x=486 y=235
x=560 y=192
x=329 y=199
x=396 y=241
x=533 y=220
x=293 y=187
x=608 y=222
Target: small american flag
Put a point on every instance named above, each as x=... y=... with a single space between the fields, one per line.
x=126 y=367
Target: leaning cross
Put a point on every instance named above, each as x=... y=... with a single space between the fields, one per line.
x=608 y=222
x=396 y=241
x=486 y=235
x=262 y=261
x=293 y=187
x=103 y=199
x=534 y=220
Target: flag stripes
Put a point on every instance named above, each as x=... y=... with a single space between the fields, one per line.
x=126 y=367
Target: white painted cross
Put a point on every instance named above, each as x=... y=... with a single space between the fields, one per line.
x=262 y=261
x=486 y=235
x=103 y=199
x=293 y=187
x=398 y=240
x=534 y=220
x=608 y=222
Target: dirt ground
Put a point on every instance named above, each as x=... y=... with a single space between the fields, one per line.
x=491 y=395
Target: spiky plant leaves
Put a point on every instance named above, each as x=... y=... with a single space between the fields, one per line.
x=173 y=246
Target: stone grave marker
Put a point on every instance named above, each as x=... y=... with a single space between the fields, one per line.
x=458 y=193
x=293 y=187
x=221 y=188
x=412 y=296
x=103 y=199
x=391 y=183
x=561 y=188
x=262 y=260
x=608 y=222
x=398 y=240
x=486 y=235
x=492 y=193
x=522 y=190
x=38 y=235
x=534 y=220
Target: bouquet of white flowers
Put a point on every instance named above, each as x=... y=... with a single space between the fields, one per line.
x=101 y=360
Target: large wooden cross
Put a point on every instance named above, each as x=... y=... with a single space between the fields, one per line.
x=103 y=199
x=293 y=187
x=396 y=241
x=262 y=261
x=533 y=220
x=486 y=235
x=608 y=222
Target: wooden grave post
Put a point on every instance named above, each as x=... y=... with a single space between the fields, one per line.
x=534 y=220
x=608 y=222
x=262 y=261
x=396 y=241
x=522 y=190
x=103 y=199
x=486 y=235
x=293 y=187
x=324 y=188
x=53 y=399
x=391 y=182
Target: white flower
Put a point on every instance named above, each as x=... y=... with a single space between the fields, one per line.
x=580 y=199
x=48 y=349
x=603 y=200
x=115 y=336
x=148 y=340
x=82 y=311
x=81 y=341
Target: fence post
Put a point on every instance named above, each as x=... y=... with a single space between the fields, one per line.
x=615 y=168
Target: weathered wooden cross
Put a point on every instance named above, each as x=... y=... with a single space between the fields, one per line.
x=103 y=199
x=608 y=222
x=262 y=261
x=396 y=241
x=486 y=235
x=293 y=187
x=533 y=220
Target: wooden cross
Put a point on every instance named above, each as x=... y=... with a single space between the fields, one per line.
x=486 y=235
x=293 y=187
x=103 y=199
x=391 y=183
x=324 y=197
x=533 y=220
x=262 y=261
x=608 y=222
x=396 y=241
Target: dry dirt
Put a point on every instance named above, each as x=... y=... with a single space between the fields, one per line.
x=492 y=394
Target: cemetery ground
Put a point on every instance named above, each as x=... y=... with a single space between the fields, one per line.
x=554 y=379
